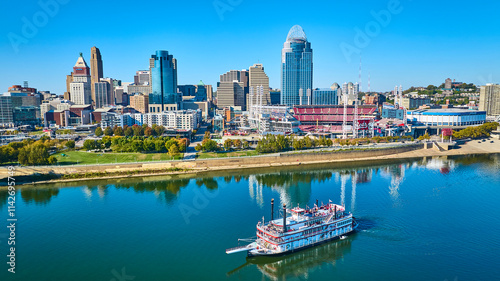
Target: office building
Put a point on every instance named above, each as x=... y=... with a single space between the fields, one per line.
x=352 y=90
x=101 y=94
x=140 y=102
x=142 y=77
x=232 y=89
x=297 y=67
x=256 y=78
x=489 y=99
x=325 y=96
x=6 y=117
x=415 y=102
x=96 y=71
x=80 y=88
x=164 y=82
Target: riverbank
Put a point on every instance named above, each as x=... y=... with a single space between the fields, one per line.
x=35 y=175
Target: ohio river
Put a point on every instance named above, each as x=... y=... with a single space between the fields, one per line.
x=432 y=219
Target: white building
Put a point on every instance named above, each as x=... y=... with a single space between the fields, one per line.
x=447 y=117
x=179 y=120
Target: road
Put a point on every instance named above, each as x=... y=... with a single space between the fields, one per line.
x=190 y=153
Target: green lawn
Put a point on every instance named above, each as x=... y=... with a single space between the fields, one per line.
x=86 y=158
x=205 y=155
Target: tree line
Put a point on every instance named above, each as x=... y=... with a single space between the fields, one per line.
x=476 y=131
x=138 y=144
x=130 y=131
x=30 y=152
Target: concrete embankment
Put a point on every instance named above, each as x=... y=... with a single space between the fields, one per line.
x=33 y=174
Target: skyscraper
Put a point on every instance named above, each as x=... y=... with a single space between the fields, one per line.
x=489 y=99
x=297 y=66
x=80 y=88
x=257 y=77
x=96 y=70
x=164 y=82
x=232 y=89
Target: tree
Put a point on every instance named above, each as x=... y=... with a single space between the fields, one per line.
x=160 y=146
x=98 y=131
x=148 y=131
x=89 y=144
x=118 y=131
x=228 y=144
x=138 y=130
x=149 y=145
x=35 y=154
x=237 y=143
x=210 y=145
x=245 y=144
x=173 y=150
x=297 y=144
x=169 y=143
x=108 y=131
x=129 y=132
x=70 y=144
x=160 y=130
x=198 y=147
x=207 y=135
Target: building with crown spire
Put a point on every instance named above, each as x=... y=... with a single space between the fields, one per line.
x=80 y=87
x=96 y=75
x=296 y=68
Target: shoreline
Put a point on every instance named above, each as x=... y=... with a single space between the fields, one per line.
x=191 y=171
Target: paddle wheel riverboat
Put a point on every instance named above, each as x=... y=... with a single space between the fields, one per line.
x=304 y=228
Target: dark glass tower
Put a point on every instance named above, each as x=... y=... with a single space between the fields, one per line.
x=296 y=67
x=164 y=80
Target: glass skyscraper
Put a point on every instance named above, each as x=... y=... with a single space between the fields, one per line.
x=296 y=67
x=164 y=80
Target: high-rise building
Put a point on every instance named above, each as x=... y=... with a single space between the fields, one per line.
x=6 y=117
x=142 y=77
x=111 y=90
x=164 y=82
x=101 y=94
x=489 y=99
x=351 y=90
x=325 y=96
x=80 y=88
x=297 y=67
x=256 y=78
x=232 y=89
x=95 y=70
x=140 y=103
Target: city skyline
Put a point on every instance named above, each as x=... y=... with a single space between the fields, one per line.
x=399 y=52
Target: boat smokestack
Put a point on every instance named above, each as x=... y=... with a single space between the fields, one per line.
x=335 y=211
x=317 y=203
x=284 y=218
x=272 y=209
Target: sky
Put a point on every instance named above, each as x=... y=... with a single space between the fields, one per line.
x=405 y=42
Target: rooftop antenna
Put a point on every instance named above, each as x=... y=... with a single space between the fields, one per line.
x=360 y=87
x=369 y=86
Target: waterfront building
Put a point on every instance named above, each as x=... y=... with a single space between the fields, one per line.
x=326 y=96
x=329 y=118
x=164 y=82
x=256 y=78
x=296 y=67
x=186 y=120
x=80 y=88
x=447 y=117
x=96 y=74
x=140 y=102
x=489 y=99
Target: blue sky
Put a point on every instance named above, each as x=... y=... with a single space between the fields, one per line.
x=422 y=43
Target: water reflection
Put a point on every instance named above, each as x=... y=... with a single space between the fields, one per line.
x=39 y=196
x=300 y=265
x=293 y=184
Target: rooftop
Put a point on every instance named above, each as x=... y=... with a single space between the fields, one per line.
x=296 y=33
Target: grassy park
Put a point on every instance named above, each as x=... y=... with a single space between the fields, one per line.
x=207 y=155
x=92 y=158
